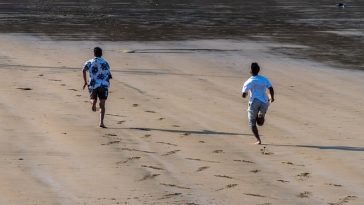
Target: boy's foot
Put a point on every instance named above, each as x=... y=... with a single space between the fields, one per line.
x=103 y=126
x=258 y=142
x=93 y=108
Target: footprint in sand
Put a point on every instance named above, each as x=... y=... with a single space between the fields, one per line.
x=265 y=151
x=201 y=141
x=136 y=150
x=171 y=152
x=167 y=143
x=176 y=126
x=291 y=163
x=112 y=142
x=120 y=122
x=173 y=185
x=162 y=118
x=167 y=196
x=202 y=168
x=245 y=161
x=147 y=135
x=135 y=105
x=303 y=176
x=344 y=200
x=25 y=89
x=335 y=185
x=110 y=135
x=150 y=111
x=255 y=171
x=78 y=95
x=196 y=159
x=283 y=181
x=148 y=176
x=229 y=186
x=128 y=160
x=218 y=151
x=255 y=195
x=305 y=194
x=152 y=167
x=72 y=89
x=223 y=176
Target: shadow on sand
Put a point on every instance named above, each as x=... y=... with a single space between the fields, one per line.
x=343 y=148
x=188 y=132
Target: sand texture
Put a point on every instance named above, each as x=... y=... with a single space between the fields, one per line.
x=177 y=127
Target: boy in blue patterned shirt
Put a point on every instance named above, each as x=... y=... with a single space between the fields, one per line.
x=99 y=81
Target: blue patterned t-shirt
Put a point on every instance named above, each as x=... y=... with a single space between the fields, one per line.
x=99 y=71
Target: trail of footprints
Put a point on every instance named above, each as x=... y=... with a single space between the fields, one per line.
x=303 y=176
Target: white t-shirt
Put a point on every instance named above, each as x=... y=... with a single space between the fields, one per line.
x=99 y=71
x=257 y=85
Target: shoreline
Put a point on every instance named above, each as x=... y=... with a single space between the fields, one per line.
x=178 y=130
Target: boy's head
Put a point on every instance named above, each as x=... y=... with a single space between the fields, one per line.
x=97 y=52
x=254 y=69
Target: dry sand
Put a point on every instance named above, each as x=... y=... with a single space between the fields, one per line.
x=178 y=130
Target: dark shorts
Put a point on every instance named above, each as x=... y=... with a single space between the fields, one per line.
x=99 y=92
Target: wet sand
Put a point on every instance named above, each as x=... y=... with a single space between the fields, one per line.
x=328 y=34
x=178 y=130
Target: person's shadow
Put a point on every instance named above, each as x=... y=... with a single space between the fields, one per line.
x=343 y=148
x=198 y=132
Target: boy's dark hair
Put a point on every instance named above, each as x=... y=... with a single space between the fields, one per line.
x=254 y=68
x=97 y=52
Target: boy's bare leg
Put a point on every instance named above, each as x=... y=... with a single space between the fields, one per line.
x=93 y=103
x=256 y=134
x=102 y=113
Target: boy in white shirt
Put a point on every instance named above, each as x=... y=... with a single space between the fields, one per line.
x=257 y=86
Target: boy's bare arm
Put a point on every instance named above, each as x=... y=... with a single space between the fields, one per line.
x=84 y=78
x=271 y=92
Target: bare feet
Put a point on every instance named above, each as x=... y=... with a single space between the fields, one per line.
x=93 y=103
x=103 y=126
x=258 y=142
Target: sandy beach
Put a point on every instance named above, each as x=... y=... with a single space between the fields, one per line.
x=177 y=126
